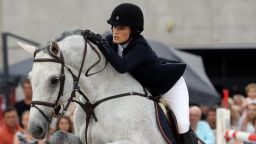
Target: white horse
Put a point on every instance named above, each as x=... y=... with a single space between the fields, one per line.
x=124 y=120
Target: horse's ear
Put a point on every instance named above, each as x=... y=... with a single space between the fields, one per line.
x=28 y=48
x=54 y=48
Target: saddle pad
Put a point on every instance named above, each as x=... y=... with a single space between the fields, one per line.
x=167 y=128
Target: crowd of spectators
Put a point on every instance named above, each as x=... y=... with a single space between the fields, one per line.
x=243 y=116
x=15 y=119
x=14 y=123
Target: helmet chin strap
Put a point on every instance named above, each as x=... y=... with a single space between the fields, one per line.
x=126 y=42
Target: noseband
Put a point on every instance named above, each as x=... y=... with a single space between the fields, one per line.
x=88 y=107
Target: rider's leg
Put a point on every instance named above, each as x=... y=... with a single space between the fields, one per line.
x=178 y=101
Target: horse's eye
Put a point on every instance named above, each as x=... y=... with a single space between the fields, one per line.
x=55 y=80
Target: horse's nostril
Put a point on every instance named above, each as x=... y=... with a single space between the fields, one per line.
x=39 y=130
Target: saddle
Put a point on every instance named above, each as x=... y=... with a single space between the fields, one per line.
x=166 y=122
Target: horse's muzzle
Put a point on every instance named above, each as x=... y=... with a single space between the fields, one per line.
x=37 y=130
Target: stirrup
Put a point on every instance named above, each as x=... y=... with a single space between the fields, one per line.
x=199 y=140
x=195 y=135
x=190 y=137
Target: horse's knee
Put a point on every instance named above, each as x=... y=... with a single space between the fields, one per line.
x=123 y=142
x=60 y=137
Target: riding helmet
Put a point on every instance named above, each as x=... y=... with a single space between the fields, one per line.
x=127 y=14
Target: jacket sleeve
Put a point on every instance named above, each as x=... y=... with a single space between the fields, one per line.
x=136 y=56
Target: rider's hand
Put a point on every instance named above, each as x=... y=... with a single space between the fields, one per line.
x=98 y=40
x=94 y=38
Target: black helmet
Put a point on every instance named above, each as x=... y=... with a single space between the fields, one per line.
x=127 y=14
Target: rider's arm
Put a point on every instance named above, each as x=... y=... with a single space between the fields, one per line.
x=137 y=55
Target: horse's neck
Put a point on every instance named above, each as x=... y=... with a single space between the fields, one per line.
x=108 y=83
x=103 y=84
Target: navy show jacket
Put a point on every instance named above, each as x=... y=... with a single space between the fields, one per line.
x=156 y=74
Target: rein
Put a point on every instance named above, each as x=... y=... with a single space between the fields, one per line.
x=87 y=107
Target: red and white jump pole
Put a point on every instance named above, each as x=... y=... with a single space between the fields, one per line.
x=243 y=136
x=224 y=134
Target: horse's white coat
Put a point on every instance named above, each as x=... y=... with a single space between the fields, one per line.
x=127 y=120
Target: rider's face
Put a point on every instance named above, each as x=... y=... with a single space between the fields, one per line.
x=120 y=34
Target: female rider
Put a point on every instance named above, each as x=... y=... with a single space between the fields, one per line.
x=128 y=51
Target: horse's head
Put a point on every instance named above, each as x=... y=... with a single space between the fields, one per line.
x=57 y=67
x=52 y=85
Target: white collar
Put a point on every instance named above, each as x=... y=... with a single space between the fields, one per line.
x=125 y=44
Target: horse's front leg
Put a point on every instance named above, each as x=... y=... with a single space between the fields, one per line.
x=124 y=142
x=61 y=137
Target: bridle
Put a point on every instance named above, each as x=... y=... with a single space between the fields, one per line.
x=88 y=107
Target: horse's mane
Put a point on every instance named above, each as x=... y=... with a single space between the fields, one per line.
x=45 y=47
x=67 y=34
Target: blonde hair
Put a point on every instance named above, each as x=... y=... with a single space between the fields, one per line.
x=250 y=86
x=238 y=96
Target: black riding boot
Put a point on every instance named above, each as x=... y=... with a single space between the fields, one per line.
x=190 y=138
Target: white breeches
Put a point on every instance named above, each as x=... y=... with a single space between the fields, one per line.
x=178 y=100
